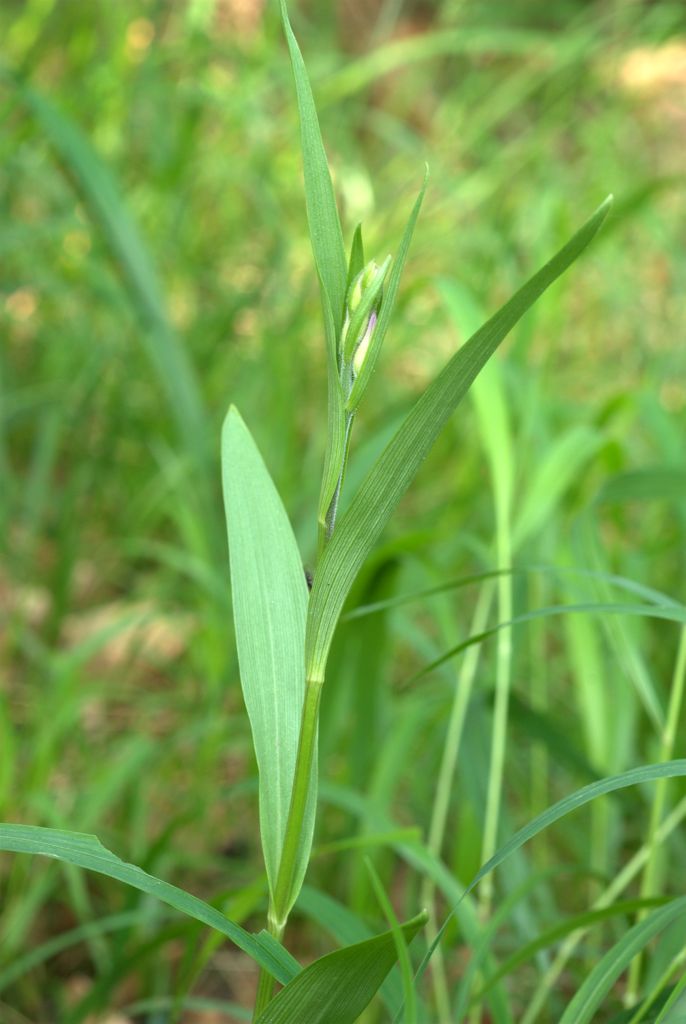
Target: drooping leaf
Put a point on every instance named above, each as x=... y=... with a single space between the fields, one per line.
x=389 y=478
x=269 y=607
x=322 y=215
x=336 y=988
x=87 y=852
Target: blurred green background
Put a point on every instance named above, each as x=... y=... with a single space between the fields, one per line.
x=154 y=266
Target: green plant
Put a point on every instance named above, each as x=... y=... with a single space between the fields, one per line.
x=284 y=633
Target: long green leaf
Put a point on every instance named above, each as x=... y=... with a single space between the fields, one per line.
x=611 y=784
x=603 y=976
x=336 y=988
x=99 y=189
x=87 y=852
x=389 y=478
x=322 y=215
x=633 y=777
x=269 y=607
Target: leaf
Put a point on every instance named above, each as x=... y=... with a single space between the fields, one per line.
x=87 y=852
x=402 y=952
x=269 y=607
x=389 y=478
x=346 y=927
x=388 y=303
x=322 y=215
x=653 y=482
x=356 y=261
x=336 y=432
x=603 y=976
x=553 y=475
x=565 y=927
x=336 y=988
x=610 y=784
x=670 y=613
x=100 y=192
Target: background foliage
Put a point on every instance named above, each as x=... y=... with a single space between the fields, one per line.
x=148 y=282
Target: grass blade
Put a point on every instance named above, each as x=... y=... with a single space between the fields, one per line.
x=98 y=187
x=322 y=215
x=633 y=777
x=389 y=478
x=601 y=979
x=336 y=988
x=87 y=852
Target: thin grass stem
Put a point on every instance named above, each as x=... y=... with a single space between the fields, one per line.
x=279 y=904
x=650 y=882
x=446 y=775
x=500 y=711
x=541 y=996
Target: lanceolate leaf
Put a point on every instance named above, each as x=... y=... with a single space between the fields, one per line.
x=322 y=215
x=336 y=988
x=389 y=478
x=269 y=607
x=86 y=851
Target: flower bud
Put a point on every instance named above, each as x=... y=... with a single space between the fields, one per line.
x=361 y=350
x=363 y=302
x=359 y=285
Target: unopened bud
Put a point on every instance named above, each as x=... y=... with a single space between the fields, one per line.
x=363 y=280
x=363 y=303
x=362 y=348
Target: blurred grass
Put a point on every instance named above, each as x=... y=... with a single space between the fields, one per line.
x=153 y=267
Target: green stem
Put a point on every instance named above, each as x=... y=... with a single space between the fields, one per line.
x=307 y=745
x=265 y=983
x=282 y=898
x=444 y=787
x=650 y=885
x=502 y=700
x=330 y=521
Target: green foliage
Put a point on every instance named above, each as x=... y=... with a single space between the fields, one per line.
x=337 y=987
x=515 y=630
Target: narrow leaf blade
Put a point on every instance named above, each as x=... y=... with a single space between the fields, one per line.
x=389 y=478
x=322 y=214
x=269 y=606
x=85 y=851
x=596 y=986
x=336 y=988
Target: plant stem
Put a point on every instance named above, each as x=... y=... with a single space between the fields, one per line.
x=265 y=983
x=502 y=699
x=439 y=816
x=307 y=746
x=650 y=885
x=281 y=901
